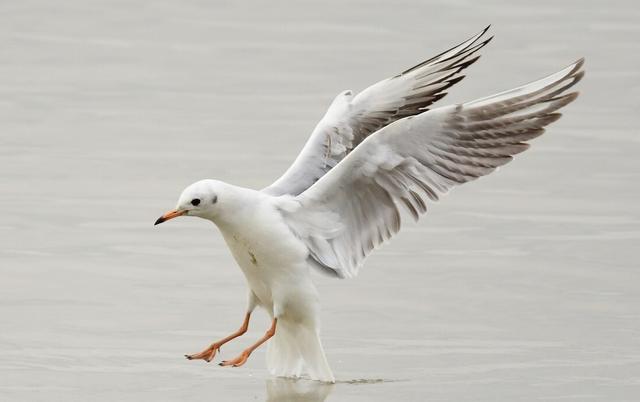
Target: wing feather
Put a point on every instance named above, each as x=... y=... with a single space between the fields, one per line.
x=350 y=119
x=417 y=159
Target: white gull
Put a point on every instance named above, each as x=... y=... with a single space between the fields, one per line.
x=372 y=156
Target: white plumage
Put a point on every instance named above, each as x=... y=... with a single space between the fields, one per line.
x=371 y=157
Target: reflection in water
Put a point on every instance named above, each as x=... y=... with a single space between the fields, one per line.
x=292 y=390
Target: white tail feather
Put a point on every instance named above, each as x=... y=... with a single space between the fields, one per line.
x=295 y=348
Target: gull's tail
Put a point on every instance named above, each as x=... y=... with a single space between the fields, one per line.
x=296 y=348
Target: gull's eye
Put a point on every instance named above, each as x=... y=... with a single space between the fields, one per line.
x=215 y=199
x=195 y=202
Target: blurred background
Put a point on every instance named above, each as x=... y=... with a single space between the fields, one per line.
x=521 y=286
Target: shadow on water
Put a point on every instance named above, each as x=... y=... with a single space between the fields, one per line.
x=292 y=390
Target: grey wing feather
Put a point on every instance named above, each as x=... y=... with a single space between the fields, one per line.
x=357 y=206
x=350 y=119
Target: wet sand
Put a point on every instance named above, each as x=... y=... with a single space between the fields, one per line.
x=522 y=286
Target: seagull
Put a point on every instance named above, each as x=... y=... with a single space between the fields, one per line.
x=373 y=158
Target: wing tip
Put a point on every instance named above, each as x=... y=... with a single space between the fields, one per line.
x=551 y=118
x=455 y=80
x=469 y=42
x=578 y=76
x=481 y=33
x=571 y=96
x=484 y=31
x=576 y=69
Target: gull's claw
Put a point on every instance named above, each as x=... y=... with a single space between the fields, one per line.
x=237 y=362
x=207 y=355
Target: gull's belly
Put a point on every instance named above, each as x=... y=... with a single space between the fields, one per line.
x=267 y=266
x=258 y=275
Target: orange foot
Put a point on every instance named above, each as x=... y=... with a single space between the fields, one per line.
x=207 y=355
x=238 y=361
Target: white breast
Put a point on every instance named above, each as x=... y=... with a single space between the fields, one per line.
x=266 y=251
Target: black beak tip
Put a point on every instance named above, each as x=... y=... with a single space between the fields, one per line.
x=159 y=221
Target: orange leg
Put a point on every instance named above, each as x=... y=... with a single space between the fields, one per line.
x=209 y=353
x=242 y=359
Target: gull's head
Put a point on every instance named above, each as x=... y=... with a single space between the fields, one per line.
x=202 y=199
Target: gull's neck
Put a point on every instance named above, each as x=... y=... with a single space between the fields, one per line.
x=237 y=207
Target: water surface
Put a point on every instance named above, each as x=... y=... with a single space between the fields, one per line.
x=522 y=286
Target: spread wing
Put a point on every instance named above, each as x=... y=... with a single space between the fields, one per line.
x=356 y=206
x=350 y=119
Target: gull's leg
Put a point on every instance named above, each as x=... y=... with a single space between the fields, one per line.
x=242 y=359
x=209 y=353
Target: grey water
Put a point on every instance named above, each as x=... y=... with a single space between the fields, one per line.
x=521 y=286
